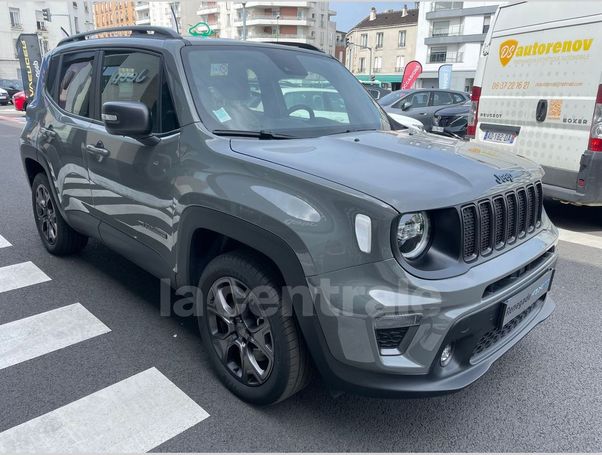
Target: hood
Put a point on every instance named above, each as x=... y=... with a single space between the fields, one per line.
x=409 y=171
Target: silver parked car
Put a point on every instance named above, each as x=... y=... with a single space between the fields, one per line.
x=421 y=104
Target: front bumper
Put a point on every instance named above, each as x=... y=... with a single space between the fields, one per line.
x=464 y=310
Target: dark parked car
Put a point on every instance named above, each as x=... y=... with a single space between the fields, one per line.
x=310 y=234
x=421 y=104
x=452 y=121
x=375 y=91
x=12 y=86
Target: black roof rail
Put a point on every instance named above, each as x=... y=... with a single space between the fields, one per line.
x=143 y=30
x=301 y=45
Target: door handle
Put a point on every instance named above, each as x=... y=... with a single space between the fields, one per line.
x=542 y=110
x=48 y=132
x=98 y=151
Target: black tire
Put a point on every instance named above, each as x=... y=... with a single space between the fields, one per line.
x=291 y=369
x=65 y=240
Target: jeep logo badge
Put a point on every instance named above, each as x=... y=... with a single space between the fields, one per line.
x=503 y=178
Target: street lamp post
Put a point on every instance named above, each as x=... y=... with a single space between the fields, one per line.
x=277 y=27
x=244 y=21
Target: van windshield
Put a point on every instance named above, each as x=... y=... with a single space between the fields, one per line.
x=269 y=92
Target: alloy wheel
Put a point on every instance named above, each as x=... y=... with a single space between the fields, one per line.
x=46 y=214
x=241 y=334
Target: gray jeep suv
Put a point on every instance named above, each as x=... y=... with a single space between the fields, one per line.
x=316 y=236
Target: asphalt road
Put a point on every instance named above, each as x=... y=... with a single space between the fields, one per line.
x=543 y=395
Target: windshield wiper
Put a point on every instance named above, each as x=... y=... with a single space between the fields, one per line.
x=262 y=134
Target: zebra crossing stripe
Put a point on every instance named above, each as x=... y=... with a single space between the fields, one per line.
x=31 y=337
x=134 y=415
x=20 y=275
x=4 y=243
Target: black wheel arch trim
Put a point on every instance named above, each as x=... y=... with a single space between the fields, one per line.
x=273 y=247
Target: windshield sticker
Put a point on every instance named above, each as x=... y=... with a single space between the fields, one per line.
x=222 y=115
x=219 y=69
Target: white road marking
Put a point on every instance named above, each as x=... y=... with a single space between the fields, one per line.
x=582 y=239
x=43 y=333
x=4 y=243
x=134 y=415
x=20 y=275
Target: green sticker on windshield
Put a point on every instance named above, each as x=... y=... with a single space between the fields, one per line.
x=222 y=115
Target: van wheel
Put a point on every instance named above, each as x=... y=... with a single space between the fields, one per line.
x=254 y=347
x=57 y=236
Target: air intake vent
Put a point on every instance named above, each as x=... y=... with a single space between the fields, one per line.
x=390 y=338
x=469 y=222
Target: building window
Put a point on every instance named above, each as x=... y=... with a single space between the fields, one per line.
x=438 y=6
x=76 y=24
x=40 y=25
x=486 y=22
x=15 y=48
x=362 y=64
x=15 y=17
x=378 y=64
x=402 y=38
x=440 y=28
x=399 y=63
x=438 y=55
x=380 y=37
x=364 y=39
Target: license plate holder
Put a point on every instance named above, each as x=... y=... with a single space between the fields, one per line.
x=502 y=138
x=519 y=302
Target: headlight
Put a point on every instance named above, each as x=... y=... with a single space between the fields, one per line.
x=413 y=234
x=3 y=92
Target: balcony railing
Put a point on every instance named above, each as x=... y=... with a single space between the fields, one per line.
x=440 y=6
x=271 y=18
x=281 y=36
x=442 y=57
x=453 y=30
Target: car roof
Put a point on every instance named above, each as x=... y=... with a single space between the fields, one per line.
x=163 y=38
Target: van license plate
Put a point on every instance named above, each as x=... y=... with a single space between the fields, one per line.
x=518 y=303
x=438 y=129
x=504 y=138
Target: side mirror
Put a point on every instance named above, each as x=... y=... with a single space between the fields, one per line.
x=406 y=105
x=129 y=118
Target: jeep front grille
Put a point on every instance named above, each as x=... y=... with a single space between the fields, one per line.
x=499 y=221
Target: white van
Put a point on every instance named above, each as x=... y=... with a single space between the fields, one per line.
x=538 y=93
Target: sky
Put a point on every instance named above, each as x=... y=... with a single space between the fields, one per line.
x=350 y=13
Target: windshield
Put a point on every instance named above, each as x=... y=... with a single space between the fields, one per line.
x=275 y=91
x=392 y=97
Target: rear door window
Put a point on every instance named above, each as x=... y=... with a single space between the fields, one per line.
x=74 y=84
x=442 y=99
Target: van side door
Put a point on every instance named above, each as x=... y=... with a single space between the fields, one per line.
x=132 y=183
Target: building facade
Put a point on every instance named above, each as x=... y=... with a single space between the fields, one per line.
x=160 y=14
x=382 y=44
x=287 y=20
x=452 y=32
x=340 y=46
x=114 y=13
x=26 y=16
